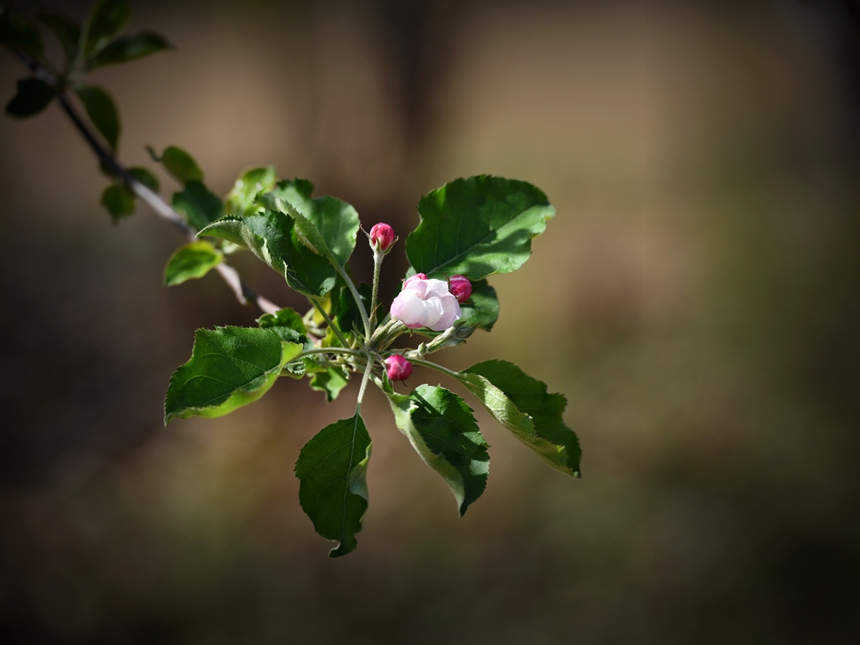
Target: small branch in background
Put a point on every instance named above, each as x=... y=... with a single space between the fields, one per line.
x=244 y=293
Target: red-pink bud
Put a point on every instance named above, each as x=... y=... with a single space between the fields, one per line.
x=382 y=236
x=398 y=368
x=460 y=287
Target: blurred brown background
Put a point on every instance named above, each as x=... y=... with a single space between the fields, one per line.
x=696 y=298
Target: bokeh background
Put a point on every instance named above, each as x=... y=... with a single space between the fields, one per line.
x=696 y=298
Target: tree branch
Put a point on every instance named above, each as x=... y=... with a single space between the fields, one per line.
x=244 y=294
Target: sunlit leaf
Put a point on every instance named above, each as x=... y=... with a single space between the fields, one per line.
x=191 y=261
x=240 y=201
x=331 y=381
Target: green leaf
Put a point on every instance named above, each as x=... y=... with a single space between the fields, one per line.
x=287 y=323
x=106 y=20
x=482 y=308
x=102 y=111
x=67 y=32
x=441 y=428
x=348 y=316
x=119 y=200
x=33 y=96
x=272 y=238
x=18 y=32
x=129 y=48
x=191 y=261
x=477 y=227
x=331 y=381
x=332 y=471
x=198 y=205
x=144 y=177
x=325 y=224
x=229 y=367
x=179 y=164
x=521 y=404
x=241 y=199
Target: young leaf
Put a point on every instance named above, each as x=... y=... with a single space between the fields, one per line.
x=198 y=205
x=119 y=200
x=240 y=201
x=18 y=32
x=332 y=471
x=191 y=261
x=521 y=404
x=331 y=381
x=441 y=428
x=33 y=96
x=144 y=177
x=102 y=112
x=477 y=227
x=482 y=308
x=229 y=367
x=325 y=224
x=106 y=20
x=67 y=32
x=286 y=322
x=179 y=164
x=272 y=238
x=129 y=48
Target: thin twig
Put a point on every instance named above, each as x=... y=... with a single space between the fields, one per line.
x=244 y=294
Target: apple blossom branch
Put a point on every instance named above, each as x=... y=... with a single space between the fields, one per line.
x=244 y=293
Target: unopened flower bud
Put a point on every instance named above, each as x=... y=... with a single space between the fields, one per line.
x=398 y=368
x=382 y=237
x=460 y=287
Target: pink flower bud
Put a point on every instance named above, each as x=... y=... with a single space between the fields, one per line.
x=426 y=303
x=398 y=368
x=460 y=287
x=382 y=237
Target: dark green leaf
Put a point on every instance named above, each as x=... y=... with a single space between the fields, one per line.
x=128 y=48
x=477 y=227
x=179 y=164
x=482 y=309
x=67 y=32
x=191 y=261
x=18 y=32
x=331 y=381
x=325 y=224
x=348 y=317
x=106 y=20
x=33 y=96
x=229 y=367
x=198 y=205
x=332 y=471
x=102 y=112
x=521 y=404
x=441 y=428
x=272 y=238
x=144 y=177
x=119 y=200
x=240 y=201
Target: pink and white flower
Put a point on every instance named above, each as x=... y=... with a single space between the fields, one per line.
x=426 y=303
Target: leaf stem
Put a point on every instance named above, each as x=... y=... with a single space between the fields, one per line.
x=435 y=366
x=361 y=308
x=364 y=379
x=330 y=322
x=377 y=264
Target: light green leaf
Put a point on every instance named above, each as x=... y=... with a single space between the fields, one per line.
x=477 y=227
x=67 y=32
x=144 y=177
x=179 y=164
x=332 y=471
x=106 y=20
x=272 y=238
x=325 y=224
x=119 y=200
x=331 y=381
x=101 y=110
x=241 y=199
x=129 y=48
x=523 y=406
x=229 y=367
x=441 y=428
x=32 y=97
x=198 y=205
x=191 y=261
